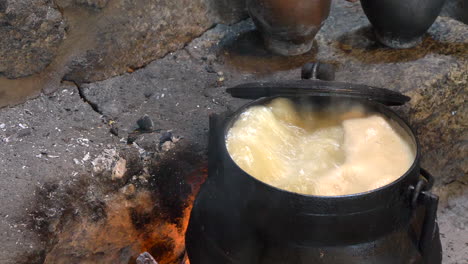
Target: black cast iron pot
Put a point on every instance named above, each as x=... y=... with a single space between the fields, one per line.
x=401 y=23
x=238 y=219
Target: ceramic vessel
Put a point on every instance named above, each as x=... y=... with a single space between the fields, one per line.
x=401 y=23
x=288 y=27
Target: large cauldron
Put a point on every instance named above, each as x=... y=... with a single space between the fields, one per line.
x=238 y=219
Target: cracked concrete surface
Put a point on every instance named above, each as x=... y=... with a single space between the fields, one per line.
x=54 y=138
x=48 y=139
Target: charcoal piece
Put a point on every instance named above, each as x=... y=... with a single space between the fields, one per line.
x=166 y=136
x=210 y=69
x=132 y=137
x=146 y=258
x=145 y=123
x=114 y=130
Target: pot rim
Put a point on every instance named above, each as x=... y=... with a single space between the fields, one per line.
x=227 y=125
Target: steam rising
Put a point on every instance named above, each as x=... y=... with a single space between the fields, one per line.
x=336 y=150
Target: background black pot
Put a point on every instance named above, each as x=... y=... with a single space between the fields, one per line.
x=401 y=23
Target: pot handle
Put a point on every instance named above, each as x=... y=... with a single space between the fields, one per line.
x=214 y=128
x=420 y=195
x=216 y=124
x=318 y=71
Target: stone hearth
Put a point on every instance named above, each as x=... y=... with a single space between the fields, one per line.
x=67 y=168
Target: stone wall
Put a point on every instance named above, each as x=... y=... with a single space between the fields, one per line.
x=31 y=32
x=96 y=39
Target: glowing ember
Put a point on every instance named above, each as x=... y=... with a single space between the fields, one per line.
x=131 y=225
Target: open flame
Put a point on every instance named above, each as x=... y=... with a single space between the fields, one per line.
x=174 y=234
x=131 y=226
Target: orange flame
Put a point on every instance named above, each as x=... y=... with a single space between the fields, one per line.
x=166 y=235
x=118 y=237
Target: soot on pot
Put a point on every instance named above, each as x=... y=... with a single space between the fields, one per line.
x=340 y=149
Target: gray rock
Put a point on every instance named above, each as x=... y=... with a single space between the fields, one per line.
x=131 y=34
x=97 y=4
x=166 y=136
x=177 y=103
x=145 y=123
x=93 y=3
x=103 y=38
x=48 y=139
x=453 y=219
x=146 y=258
x=228 y=11
x=457 y=9
x=31 y=32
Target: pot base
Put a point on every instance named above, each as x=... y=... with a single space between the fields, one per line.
x=395 y=42
x=286 y=48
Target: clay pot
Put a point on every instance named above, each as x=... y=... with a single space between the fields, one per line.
x=401 y=23
x=288 y=27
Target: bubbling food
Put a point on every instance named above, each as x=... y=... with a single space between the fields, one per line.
x=340 y=150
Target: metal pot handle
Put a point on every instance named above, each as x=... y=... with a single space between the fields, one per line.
x=420 y=195
x=213 y=142
x=318 y=71
x=216 y=137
